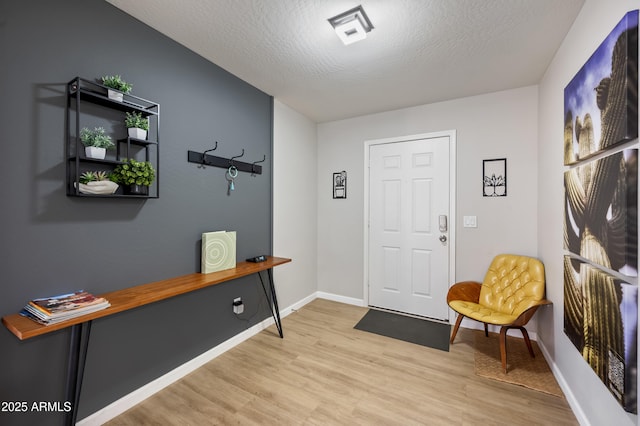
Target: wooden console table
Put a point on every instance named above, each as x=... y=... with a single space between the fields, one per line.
x=130 y=298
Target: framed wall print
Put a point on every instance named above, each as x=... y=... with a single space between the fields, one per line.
x=494 y=177
x=340 y=184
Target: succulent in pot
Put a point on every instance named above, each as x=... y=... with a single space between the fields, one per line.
x=97 y=183
x=91 y=176
x=137 y=125
x=96 y=142
x=116 y=86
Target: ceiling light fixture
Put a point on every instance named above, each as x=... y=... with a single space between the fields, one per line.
x=352 y=25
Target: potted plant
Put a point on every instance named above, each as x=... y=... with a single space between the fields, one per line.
x=135 y=176
x=96 y=142
x=96 y=182
x=116 y=87
x=137 y=125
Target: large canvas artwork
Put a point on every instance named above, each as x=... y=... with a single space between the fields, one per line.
x=600 y=102
x=601 y=211
x=601 y=214
x=601 y=320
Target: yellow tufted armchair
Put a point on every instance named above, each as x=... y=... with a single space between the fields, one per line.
x=510 y=294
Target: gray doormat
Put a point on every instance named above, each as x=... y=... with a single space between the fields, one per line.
x=414 y=330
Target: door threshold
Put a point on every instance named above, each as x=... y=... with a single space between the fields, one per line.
x=406 y=314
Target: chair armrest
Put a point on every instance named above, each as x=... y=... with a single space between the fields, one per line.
x=526 y=315
x=469 y=291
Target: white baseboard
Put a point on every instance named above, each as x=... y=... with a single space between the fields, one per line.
x=132 y=399
x=571 y=399
x=341 y=299
x=297 y=305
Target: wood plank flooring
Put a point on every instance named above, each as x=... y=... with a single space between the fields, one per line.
x=324 y=372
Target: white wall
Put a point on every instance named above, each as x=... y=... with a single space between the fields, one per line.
x=590 y=399
x=294 y=204
x=496 y=125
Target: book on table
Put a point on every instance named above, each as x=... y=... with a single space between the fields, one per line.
x=51 y=310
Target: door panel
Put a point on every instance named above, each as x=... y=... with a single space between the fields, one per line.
x=421 y=263
x=408 y=191
x=391 y=268
x=391 y=205
x=421 y=199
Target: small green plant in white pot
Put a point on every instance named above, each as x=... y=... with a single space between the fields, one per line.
x=116 y=86
x=137 y=125
x=96 y=142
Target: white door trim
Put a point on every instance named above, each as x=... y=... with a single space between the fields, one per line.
x=452 y=200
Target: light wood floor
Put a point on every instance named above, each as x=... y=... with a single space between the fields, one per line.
x=324 y=372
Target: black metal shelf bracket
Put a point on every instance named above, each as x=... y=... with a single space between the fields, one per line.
x=203 y=159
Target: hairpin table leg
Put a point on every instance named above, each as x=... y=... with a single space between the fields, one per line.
x=78 y=345
x=273 y=301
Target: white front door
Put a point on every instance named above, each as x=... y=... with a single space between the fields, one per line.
x=409 y=226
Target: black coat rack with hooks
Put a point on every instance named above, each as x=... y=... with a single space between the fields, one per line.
x=204 y=159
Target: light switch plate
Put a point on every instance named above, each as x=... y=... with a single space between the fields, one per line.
x=470 y=221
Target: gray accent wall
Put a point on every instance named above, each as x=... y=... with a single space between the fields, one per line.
x=52 y=243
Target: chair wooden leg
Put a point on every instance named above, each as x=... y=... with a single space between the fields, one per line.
x=503 y=348
x=455 y=328
x=503 y=344
x=527 y=341
x=486 y=330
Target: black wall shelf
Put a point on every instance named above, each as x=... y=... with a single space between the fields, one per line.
x=81 y=91
x=96 y=93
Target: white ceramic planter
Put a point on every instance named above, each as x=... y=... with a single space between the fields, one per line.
x=115 y=95
x=98 y=187
x=137 y=133
x=95 y=152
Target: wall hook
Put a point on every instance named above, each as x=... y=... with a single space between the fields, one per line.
x=205 y=153
x=212 y=149
x=237 y=156
x=253 y=165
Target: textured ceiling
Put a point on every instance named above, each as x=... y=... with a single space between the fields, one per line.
x=420 y=51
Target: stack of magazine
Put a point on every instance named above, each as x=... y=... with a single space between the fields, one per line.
x=51 y=310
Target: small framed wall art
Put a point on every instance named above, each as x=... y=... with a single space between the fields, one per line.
x=494 y=177
x=340 y=184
